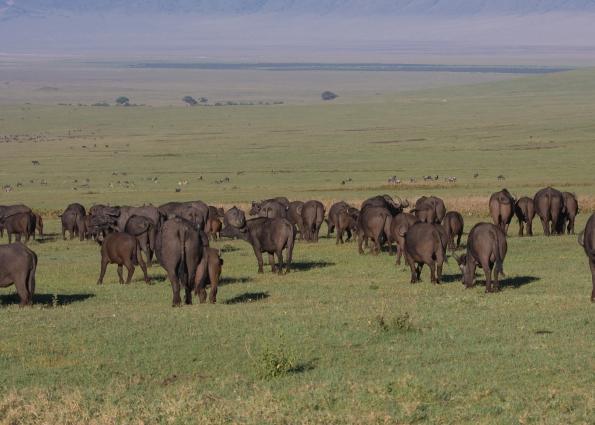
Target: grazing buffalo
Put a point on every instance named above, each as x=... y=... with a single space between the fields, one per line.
x=18 y=265
x=73 y=221
x=524 y=210
x=394 y=206
x=312 y=218
x=569 y=212
x=196 y=212
x=430 y=209
x=453 y=224
x=486 y=247
x=19 y=224
x=271 y=208
x=549 y=206
x=180 y=250
x=148 y=211
x=8 y=210
x=502 y=209
x=400 y=223
x=373 y=223
x=208 y=272
x=425 y=243
x=587 y=240
x=346 y=222
x=270 y=235
x=145 y=232
x=294 y=215
x=121 y=249
x=333 y=214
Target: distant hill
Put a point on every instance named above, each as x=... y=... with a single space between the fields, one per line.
x=15 y=8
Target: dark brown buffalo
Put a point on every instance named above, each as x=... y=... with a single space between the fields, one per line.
x=148 y=211
x=270 y=235
x=145 y=232
x=19 y=224
x=394 y=206
x=208 y=272
x=502 y=209
x=569 y=212
x=180 y=250
x=587 y=240
x=549 y=205
x=453 y=224
x=425 y=243
x=121 y=249
x=294 y=215
x=312 y=218
x=18 y=265
x=213 y=229
x=430 y=209
x=373 y=223
x=402 y=222
x=271 y=208
x=73 y=221
x=346 y=222
x=38 y=224
x=8 y=210
x=486 y=247
x=524 y=210
x=196 y=212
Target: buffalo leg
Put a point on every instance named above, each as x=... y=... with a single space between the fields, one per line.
x=360 y=241
x=280 y=257
x=399 y=254
x=488 y=273
x=23 y=293
x=188 y=295
x=202 y=292
x=459 y=240
x=175 y=287
x=102 y=272
x=272 y=263
x=414 y=277
x=530 y=227
x=339 y=238
x=143 y=267
x=120 y=274
x=592 y=264
x=546 y=226
x=214 y=278
x=377 y=247
x=432 y=267
x=438 y=273
x=521 y=228
x=259 y=259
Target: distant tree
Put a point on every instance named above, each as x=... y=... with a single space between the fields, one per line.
x=328 y=95
x=203 y=100
x=190 y=100
x=123 y=101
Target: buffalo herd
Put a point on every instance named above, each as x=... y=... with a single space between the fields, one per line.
x=178 y=234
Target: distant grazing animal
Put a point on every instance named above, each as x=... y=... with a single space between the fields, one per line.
x=425 y=243
x=501 y=206
x=394 y=180
x=451 y=179
x=312 y=218
x=208 y=272
x=121 y=249
x=180 y=250
x=476 y=175
x=18 y=265
x=501 y=177
x=524 y=210
x=270 y=235
x=569 y=212
x=35 y=162
x=428 y=178
x=587 y=240
x=453 y=225
x=549 y=206
x=486 y=247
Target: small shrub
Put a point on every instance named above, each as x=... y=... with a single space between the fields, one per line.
x=274 y=362
x=123 y=101
x=328 y=95
x=401 y=324
x=189 y=100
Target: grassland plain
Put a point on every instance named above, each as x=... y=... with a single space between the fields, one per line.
x=364 y=345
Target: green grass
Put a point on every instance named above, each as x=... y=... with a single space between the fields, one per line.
x=343 y=338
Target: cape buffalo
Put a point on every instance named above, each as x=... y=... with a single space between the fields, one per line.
x=394 y=206
x=549 y=205
x=197 y=212
x=8 y=210
x=346 y=222
x=569 y=212
x=486 y=247
x=270 y=235
x=145 y=232
x=294 y=215
x=430 y=209
x=402 y=222
x=425 y=243
x=73 y=221
x=502 y=208
x=121 y=249
x=148 y=211
x=373 y=223
x=333 y=214
x=179 y=250
x=312 y=218
x=524 y=210
x=453 y=225
x=213 y=228
x=208 y=273
x=38 y=224
x=271 y=208
x=19 y=224
x=587 y=240
x=18 y=265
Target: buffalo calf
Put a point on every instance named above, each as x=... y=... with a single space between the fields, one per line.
x=121 y=249
x=208 y=272
x=453 y=224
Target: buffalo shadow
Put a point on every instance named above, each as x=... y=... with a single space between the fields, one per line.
x=247 y=297
x=46 y=300
x=310 y=265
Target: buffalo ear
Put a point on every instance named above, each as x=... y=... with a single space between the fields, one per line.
x=581 y=238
